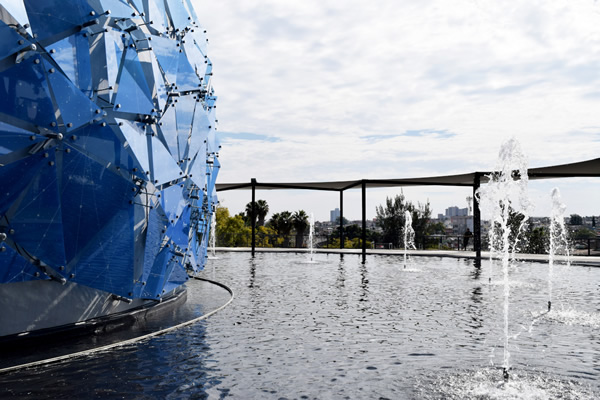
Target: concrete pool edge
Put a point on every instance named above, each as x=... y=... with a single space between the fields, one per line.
x=129 y=341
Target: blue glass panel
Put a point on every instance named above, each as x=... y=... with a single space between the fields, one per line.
x=114 y=47
x=139 y=5
x=102 y=145
x=159 y=85
x=179 y=230
x=167 y=54
x=13 y=138
x=199 y=132
x=37 y=219
x=133 y=93
x=177 y=278
x=156 y=278
x=14 y=268
x=198 y=169
x=118 y=8
x=51 y=17
x=75 y=108
x=18 y=12
x=178 y=14
x=157 y=223
x=172 y=202
x=190 y=9
x=212 y=178
x=90 y=196
x=135 y=135
x=157 y=14
x=106 y=264
x=24 y=94
x=195 y=57
x=168 y=129
x=16 y=177
x=199 y=37
x=185 y=114
x=164 y=169
x=72 y=54
x=11 y=41
x=186 y=76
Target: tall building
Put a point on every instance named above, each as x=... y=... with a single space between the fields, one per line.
x=334 y=215
x=456 y=212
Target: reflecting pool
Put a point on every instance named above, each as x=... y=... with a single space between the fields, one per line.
x=341 y=329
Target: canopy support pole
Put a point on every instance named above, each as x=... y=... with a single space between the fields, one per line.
x=476 y=217
x=364 y=221
x=253 y=216
x=341 y=219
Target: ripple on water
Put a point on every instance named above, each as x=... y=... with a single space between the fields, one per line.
x=488 y=384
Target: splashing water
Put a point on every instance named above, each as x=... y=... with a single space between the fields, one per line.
x=213 y=236
x=311 y=234
x=409 y=235
x=558 y=238
x=504 y=199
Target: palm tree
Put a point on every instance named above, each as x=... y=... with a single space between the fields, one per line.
x=282 y=223
x=261 y=209
x=300 y=222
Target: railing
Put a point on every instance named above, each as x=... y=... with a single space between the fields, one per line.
x=579 y=247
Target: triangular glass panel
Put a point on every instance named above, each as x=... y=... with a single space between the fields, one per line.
x=172 y=202
x=17 y=11
x=167 y=54
x=133 y=94
x=17 y=176
x=37 y=218
x=47 y=24
x=157 y=225
x=178 y=14
x=159 y=84
x=11 y=41
x=139 y=5
x=186 y=75
x=199 y=131
x=113 y=46
x=106 y=262
x=168 y=128
x=137 y=140
x=177 y=278
x=90 y=195
x=24 y=95
x=195 y=57
x=13 y=139
x=184 y=109
x=118 y=8
x=157 y=14
x=14 y=268
x=72 y=54
x=75 y=108
x=164 y=169
x=197 y=169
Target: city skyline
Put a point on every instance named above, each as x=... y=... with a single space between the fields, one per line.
x=323 y=91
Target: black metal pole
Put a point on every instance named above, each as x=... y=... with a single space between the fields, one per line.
x=341 y=219
x=476 y=217
x=253 y=216
x=364 y=221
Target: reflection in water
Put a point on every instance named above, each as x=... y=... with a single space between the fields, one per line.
x=252 y=278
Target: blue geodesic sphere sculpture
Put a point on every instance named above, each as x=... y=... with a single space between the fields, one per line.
x=108 y=152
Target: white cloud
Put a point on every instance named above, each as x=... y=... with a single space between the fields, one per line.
x=341 y=83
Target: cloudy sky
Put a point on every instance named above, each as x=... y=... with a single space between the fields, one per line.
x=318 y=90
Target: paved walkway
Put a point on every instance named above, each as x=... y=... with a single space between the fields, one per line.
x=592 y=261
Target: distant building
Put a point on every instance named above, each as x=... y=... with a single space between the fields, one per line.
x=456 y=212
x=334 y=215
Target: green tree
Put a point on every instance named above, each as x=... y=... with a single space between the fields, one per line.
x=583 y=233
x=537 y=240
x=391 y=219
x=576 y=219
x=282 y=224
x=231 y=231
x=300 y=222
x=261 y=209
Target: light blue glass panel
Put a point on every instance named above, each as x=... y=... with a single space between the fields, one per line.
x=177 y=278
x=178 y=232
x=51 y=17
x=195 y=57
x=75 y=108
x=157 y=14
x=157 y=225
x=190 y=9
x=159 y=84
x=24 y=94
x=178 y=14
x=199 y=131
x=184 y=109
x=164 y=169
x=133 y=93
x=16 y=8
x=11 y=41
x=172 y=202
x=186 y=76
x=167 y=54
x=37 y=221
x=199 y=37
x=114 y=51
x=198 y=169
x=139 y=5
x=135 y=135
x=168 y=129
x=118 y=8
x=212 y=178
